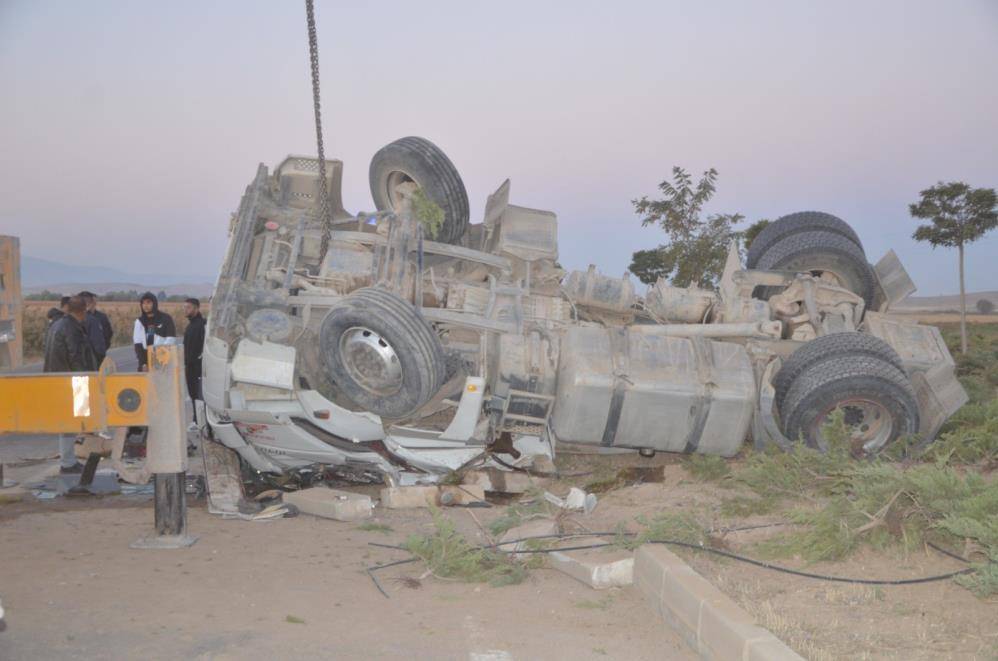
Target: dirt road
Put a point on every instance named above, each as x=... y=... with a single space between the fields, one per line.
x=291 y=588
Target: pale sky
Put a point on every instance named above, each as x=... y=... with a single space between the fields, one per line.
x=128 y=130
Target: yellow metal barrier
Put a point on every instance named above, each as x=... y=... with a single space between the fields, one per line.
x=68 y=403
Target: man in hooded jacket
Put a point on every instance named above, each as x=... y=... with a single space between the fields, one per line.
x=151 y=328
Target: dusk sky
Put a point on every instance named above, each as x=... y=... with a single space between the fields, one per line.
x=129 y=130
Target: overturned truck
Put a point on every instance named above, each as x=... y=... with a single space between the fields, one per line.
x=407 y=343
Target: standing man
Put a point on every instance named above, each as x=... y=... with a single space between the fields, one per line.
x=152 y=327
x=193 y=348
x=69 y=351
x=105 y=321
x=94 y=328
x=53 y=315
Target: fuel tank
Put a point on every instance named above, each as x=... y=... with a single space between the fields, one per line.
x=636 y=387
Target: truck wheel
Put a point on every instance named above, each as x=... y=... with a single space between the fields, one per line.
x=831 y=347
x=794 y=223
x=420 y=161
x=876 y=398
x=819 y=253
x=381 y=354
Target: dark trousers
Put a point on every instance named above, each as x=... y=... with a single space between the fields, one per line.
x=194 y=385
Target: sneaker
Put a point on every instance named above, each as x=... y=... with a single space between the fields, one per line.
x=75 y=469
x=192 y=427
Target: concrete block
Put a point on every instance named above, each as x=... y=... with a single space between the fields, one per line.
x=400 y=498
x=513 y=481
x=598 y=568
x=649 y=575
x=528 y=530
x=331 y=503
x=712 y=624
x=683 y=593
x=494 y=479
x=465 y=494
x=478 y=478
x=770 y=649
x=726 y=629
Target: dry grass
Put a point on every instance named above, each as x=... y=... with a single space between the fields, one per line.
x=947 y=317
x=122 y=317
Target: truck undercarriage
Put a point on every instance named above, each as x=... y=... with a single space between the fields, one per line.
x=403 y=345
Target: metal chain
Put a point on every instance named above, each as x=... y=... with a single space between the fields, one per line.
x=313 y=53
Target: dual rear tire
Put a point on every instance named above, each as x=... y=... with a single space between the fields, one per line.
x=852 y=372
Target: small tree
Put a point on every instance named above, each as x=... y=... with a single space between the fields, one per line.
x=752 y=231
x=960 y=215
x=984 y=306
x=697 y=247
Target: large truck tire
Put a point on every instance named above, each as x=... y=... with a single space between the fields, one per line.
x=418 y=160
x=794 y=223
x=876 y=398
x=831 y=347
x=381 y=354
x=820 y=252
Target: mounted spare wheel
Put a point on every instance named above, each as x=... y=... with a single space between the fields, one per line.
x=874 y=395
x=417 y=160
x=794 y=223
x=830 y=256
x=381 y=354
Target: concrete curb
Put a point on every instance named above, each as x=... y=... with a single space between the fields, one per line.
x=711 y=622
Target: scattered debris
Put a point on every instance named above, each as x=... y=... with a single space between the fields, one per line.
x=294 y=619
x=396 y=498
x=577 y=499
x=448 y=554
x=502 y=481
x=598 y=568
x=269 y=494
x=331 y=503
x=522 y=535
x=465 y=494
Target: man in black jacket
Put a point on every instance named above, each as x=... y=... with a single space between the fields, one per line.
x=193 y=347
x=151 y=328
x=94 y=328
x=106 y=331
x=69 y=351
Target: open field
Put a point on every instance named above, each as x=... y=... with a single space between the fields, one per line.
x=122 y=317
x=947 y=317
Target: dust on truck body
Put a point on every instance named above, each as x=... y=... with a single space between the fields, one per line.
x=407 y=343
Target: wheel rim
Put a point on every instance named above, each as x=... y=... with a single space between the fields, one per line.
x=395 y=179
x=370 y=361
x=870 y=425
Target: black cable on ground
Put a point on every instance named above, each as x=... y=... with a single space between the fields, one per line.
x=370 y=572
x=722 y=553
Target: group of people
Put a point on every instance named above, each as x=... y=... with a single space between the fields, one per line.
x=79 y=336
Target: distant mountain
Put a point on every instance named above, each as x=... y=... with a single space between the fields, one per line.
x=198 y=289
x=38 y=273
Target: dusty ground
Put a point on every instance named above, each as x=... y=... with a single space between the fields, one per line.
x=73 y=589
x=823 y=620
